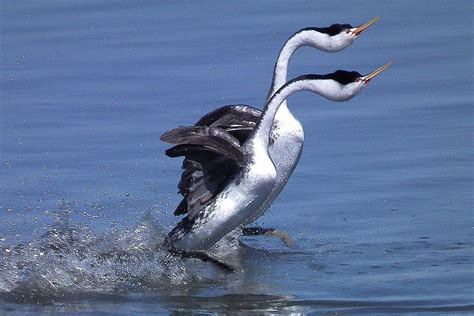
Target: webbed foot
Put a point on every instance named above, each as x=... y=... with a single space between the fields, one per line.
x=272 y=232
x=204 y=256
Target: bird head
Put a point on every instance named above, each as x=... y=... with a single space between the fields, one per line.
x=340 y=85
x=344 y=85
x=336 y=37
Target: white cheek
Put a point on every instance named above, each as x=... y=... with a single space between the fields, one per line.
x=334 y=91
x=341 y=41
x=329 y=89
x=351 y=90
x=342 y=93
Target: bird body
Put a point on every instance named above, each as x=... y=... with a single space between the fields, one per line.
x=246 y=192
x=256 y=176
x=285 y=149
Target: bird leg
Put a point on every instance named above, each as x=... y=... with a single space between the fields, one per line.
x=272 y=232
x=202 y=255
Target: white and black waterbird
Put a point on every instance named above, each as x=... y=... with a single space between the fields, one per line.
x=255 y=174
x=206 y=173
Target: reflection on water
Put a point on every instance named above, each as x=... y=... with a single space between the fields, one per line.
x=380 y=205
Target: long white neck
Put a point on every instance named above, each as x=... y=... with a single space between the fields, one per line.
x=261 y=133
x=302 y=38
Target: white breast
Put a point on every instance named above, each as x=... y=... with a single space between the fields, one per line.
x=286 y=146
x=239 y=200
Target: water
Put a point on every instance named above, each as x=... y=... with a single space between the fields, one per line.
x=380 y=206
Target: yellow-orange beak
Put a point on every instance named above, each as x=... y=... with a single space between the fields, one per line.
x=364 y=26
x=377 y=72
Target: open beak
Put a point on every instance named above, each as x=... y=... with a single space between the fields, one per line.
x=364 y=26
x=375 y=73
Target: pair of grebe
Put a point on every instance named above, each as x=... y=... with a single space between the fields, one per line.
x=238 y=159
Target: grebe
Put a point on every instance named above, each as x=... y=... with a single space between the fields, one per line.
x=204 y=178
x=255 y=176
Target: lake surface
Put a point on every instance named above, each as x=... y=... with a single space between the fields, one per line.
x=380 y=205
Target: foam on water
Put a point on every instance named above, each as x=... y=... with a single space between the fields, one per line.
x=72 y=259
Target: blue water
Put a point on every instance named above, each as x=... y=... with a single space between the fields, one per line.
x=380 y=206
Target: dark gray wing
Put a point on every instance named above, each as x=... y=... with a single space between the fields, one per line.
x=238 y=120
x=209 y=152
x=231 y=115
x=209 y=138
x=205 y=175
x=205 y=171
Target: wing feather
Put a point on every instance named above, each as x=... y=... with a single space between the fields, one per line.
x=209 y=138
x=212 y=153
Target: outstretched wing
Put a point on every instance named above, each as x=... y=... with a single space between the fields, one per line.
x=231 y=115
x=209 y=151
x=211 y=154
x=238 y=120
x=209 y=138
x=205 y=175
